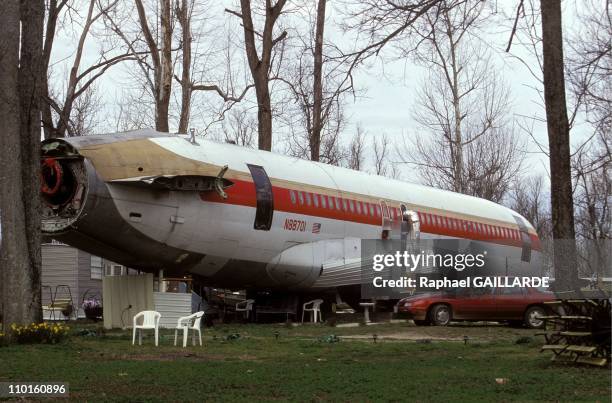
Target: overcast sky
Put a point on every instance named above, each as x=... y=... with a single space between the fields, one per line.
x=389 y=98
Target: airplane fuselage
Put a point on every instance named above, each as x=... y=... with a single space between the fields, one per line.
x=244 y=218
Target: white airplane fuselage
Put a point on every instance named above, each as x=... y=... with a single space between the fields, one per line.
x=155 y=201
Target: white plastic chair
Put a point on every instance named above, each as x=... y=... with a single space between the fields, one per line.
x=150 y=320
x=245 y=306
x=315 y=310
x=192 y=322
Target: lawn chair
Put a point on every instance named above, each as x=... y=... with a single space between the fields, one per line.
x=150 y=320
x=314 y=309
x=245 y=306
x=65 y=305
x=192 y=322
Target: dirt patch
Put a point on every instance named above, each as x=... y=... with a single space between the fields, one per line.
x=401 y=337
x=176 y=356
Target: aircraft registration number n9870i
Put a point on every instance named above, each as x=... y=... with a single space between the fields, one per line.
x=294 y=225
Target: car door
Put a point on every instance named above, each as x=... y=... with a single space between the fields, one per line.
x=510 y=302
x=475 y=304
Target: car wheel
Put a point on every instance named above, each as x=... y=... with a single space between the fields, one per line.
x=532 y=317
x=421 y=322
x=440 y=315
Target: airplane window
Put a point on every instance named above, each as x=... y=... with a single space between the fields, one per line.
x=265 y=201
x=301 y=197
x=323 y=201
x=308 y=202
x=315 y=199
x=293 y=197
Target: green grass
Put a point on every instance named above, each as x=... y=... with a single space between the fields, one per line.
x=298 y=367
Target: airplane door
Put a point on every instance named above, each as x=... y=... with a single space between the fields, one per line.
x=410 y=225
x=265 y=201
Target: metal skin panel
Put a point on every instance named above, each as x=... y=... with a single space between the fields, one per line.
x=205 y=234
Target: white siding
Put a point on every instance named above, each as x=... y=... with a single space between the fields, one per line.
x=172 y=306
x=59 y=267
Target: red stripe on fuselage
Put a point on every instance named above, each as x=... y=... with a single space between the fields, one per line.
x=242 y=193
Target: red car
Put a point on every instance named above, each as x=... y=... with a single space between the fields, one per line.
x=514 y=304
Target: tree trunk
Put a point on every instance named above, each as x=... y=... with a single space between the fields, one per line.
x=264 y=115
x=260 y=67
x=317 y=124
x=186 y=85
x=20 y=159
x=47 y=116
x=166 y=67
x=562 y=206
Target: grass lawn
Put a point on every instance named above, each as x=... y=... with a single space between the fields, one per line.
x=299 y=367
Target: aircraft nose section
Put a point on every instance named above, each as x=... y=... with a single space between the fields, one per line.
x=64 y=184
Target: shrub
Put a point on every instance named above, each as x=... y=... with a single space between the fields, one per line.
x=39 y=333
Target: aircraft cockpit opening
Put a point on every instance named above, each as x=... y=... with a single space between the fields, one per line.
x=63 y=185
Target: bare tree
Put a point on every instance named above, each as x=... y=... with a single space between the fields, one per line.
x=239 y=127
x=21 y=46
x=85 y=112
x=80 y=79
x=161 y=57
x=316 y=79
x=589 y=67
x=562 y=207
x=383 y=165
x=163 y=54
x=592 y=168
x=355 y=158
x=471 y=146
x=528 y=198
x=183 y=12
x=381 y=155
x=317 y=96
x=260 y=66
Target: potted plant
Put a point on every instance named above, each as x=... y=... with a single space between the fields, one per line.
x=92 y=308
